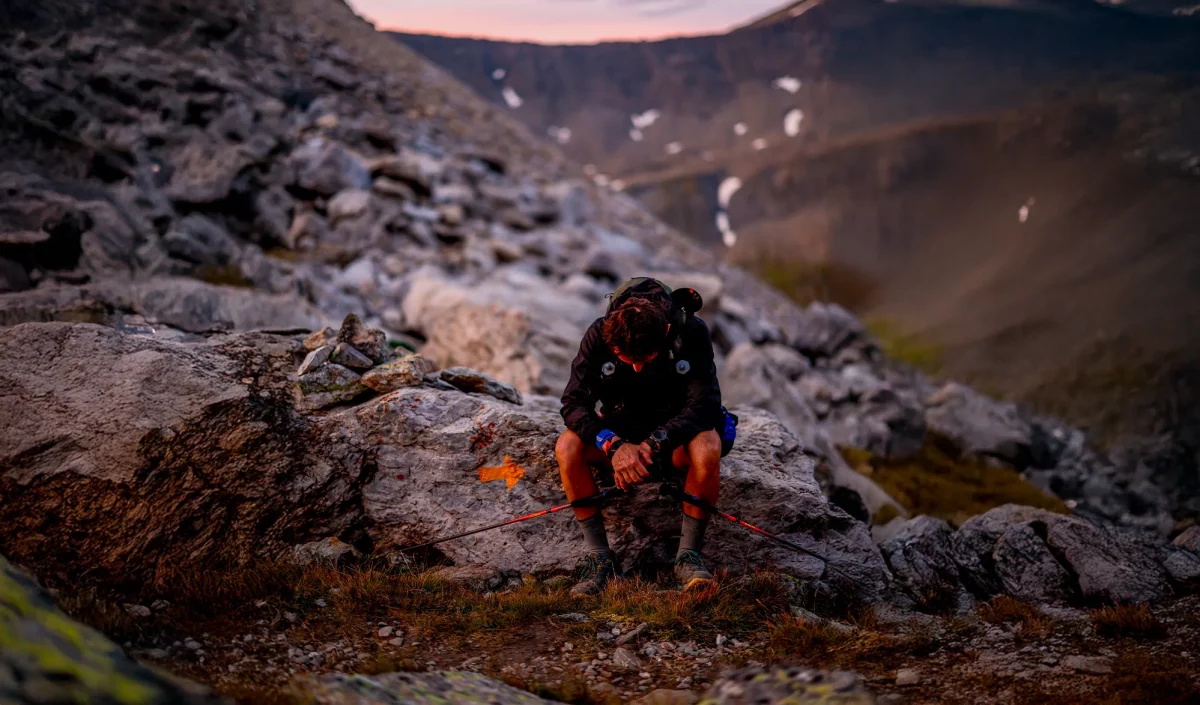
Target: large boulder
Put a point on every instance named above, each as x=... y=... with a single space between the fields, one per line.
x=150 y=453
x=513 y=327
x=49 y=658
x=450 y=453
x=920 y=554
x=204 y=437
x=979 y=425
x=1041 y=555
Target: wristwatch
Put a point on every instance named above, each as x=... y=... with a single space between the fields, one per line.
x=612 y=446
x=657 y=440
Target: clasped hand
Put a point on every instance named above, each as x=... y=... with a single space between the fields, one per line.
x=630 y=465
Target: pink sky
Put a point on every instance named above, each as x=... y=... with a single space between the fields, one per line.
x=562 y=21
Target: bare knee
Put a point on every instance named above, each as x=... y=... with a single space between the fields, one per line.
x=569 y=448
x=704 y=451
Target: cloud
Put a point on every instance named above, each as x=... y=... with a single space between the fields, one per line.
x=652 y=8
x=662 y=8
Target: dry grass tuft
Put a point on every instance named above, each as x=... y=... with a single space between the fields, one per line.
x=806 y=281
x=571 y=689
x=1009 y=610
x=940 y=482
x=792 y=635
x=910 y=349
x=248 y=694
x=1143 y=677
x=729 y=606
x=1125 y=620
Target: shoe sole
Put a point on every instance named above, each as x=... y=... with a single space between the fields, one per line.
x=696 y=582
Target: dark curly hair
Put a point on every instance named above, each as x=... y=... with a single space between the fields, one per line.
x=637 y=328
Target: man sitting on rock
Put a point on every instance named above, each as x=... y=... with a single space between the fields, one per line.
x=644 y=389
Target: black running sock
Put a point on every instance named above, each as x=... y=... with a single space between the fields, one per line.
x=692 y=538
x=594 y=533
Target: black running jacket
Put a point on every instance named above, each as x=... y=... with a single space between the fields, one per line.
x=677 y=391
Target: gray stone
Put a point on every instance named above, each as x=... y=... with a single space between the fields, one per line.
x=141 y=611
x=625 y=660
x=307 y=230
x=370 y=342
x=323 y=338
x=347 y=205
x=824 y=329
x=908 y=676
x=330 y=551
x=474 y=382
x=1105 y=565
x=414 y=168
x=428 y=688
x=391 y=188
x=920 y=555
x=205 y=173
x=345 y=354
x=408 y=371
x=1091 y=665
x=273 y=216
x=48 y=657
x=632 y=634
x=201 y=241
x=979 y=425
x=1189 y=539
x=326 y=168
x=1182 y=565
x=756 y=684
x=315 y=359
x=13 y=277
x=1027 y=569
x=327 y=386
x=479 y=578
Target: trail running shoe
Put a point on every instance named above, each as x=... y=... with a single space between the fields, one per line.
x=595 y=572
x=690 y=570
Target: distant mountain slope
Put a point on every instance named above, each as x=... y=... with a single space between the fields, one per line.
x=1016 y=179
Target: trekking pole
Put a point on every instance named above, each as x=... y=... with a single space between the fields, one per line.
x=704 y=505
x=598 y=498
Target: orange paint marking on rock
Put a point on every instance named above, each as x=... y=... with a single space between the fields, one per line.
x=510 y=472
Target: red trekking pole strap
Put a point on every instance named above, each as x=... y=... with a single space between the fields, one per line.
x=592 y=501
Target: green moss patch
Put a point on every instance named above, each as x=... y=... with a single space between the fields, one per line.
x=939 y=482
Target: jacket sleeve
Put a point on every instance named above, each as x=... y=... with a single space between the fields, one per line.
x=579 y=398
x=702 y=391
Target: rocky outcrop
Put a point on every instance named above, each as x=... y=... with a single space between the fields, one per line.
x=49 y=658
x=1033 y=555
x=205 y=437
